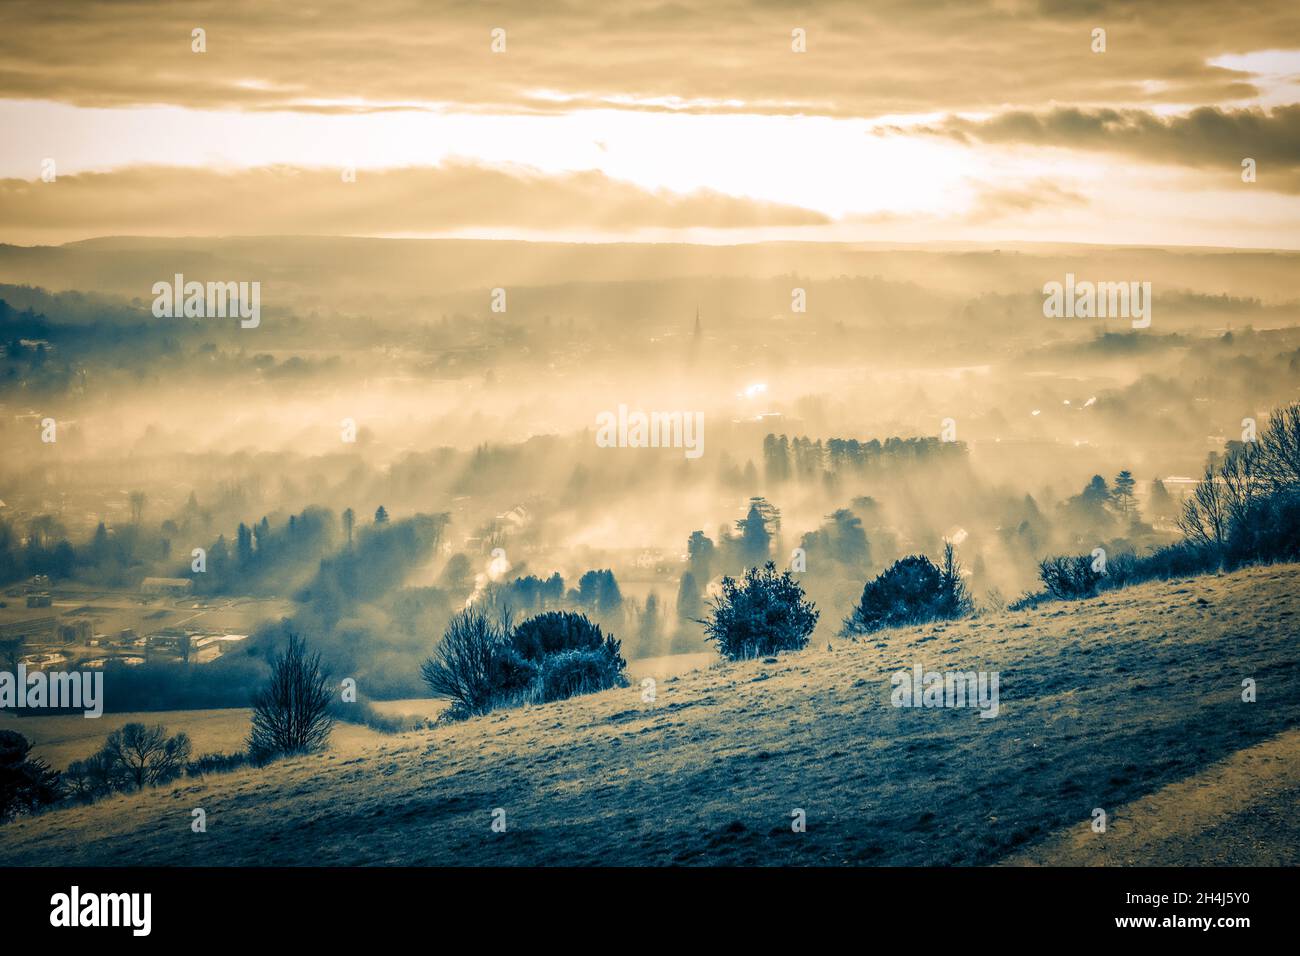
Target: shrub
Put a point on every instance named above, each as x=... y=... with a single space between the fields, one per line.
x=1071 y=576
x=554 y=632
x=911 y=591
x=26 y=783
x=291 y=715
x=762 y=615
x=216 y=763
x=570 y=673
x=1028 y=601
x=364 y=713
x=1068 y=577
x=1268 y=530
x=480 y=665
x=96 y=776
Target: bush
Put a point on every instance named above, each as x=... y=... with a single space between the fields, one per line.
x=911 y=591
x=96 y=776
x=555 y=632
x=1070 y=578
x=291 y=715
x=480 y=666
x=216 y=763
x=570 y=673
x=762 y=615
x=1268 y=529
x=1067 y=578
x=26 y=784
x=364 y=713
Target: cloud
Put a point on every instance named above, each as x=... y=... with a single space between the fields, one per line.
x=286 y=200
x=1204 y=138
x=998 y=202
x=891 y=57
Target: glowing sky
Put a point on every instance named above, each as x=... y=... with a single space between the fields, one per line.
x=902 y=122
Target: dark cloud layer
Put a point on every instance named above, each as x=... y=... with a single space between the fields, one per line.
x=863 y=59
x=1204 y=138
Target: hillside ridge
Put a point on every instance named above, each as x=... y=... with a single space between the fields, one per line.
x=1102 y=703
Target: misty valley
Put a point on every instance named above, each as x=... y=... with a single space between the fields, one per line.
x=389 y=491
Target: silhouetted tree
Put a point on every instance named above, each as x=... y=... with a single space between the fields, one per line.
x=700 y=553
x=26 y=783
x=291 y=714
x=756 y=528
x=349 y=519
x=1123 y=493
x=145 y=755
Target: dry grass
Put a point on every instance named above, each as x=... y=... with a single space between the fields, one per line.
x=1103 y=702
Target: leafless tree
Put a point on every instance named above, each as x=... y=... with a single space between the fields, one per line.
x=1205 y=513
x=146 y=755
x=291 y=714
x=1242 y=485
x=461 y=668
x=1279 y=447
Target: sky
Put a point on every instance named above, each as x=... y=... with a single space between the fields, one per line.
x=721 y=122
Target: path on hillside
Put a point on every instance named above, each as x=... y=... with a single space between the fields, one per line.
x=1242 y=811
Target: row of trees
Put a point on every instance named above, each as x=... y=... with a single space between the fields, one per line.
x=802 y=459
x=1248 y=508
x=1244 y=510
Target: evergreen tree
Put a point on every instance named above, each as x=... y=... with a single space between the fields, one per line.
x=1123 y=492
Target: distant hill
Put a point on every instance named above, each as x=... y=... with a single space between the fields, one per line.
x=347 y=269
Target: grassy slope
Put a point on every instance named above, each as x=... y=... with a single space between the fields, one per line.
x=59 y=740
x=1103 y=703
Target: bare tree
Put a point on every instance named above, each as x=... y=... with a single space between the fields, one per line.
x=1205 y=513
x=1242 y=485
x=1279 y=447
x=146 y=755
x=291 y=714
x=462 y=666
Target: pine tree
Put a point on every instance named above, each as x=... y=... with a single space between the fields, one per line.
x=1123 y=492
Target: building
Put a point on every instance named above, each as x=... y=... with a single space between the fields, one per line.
x=174 y=587
x=206 y=649
x=76 y=632
x=33 y=630
x=168 y=645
